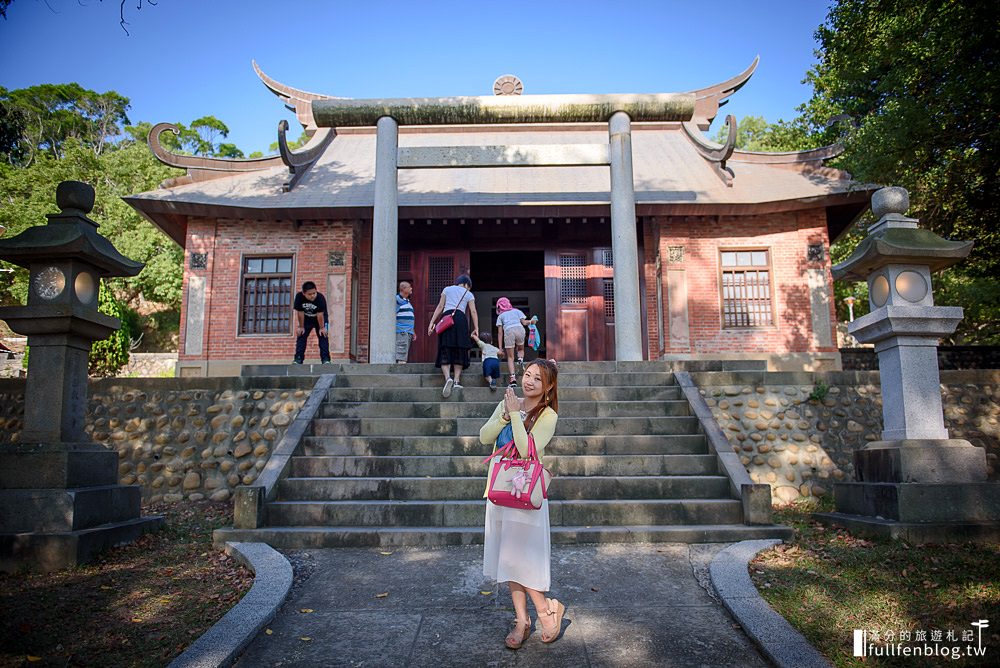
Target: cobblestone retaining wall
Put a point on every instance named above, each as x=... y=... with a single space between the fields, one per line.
x=798 y=432
x=181 y=438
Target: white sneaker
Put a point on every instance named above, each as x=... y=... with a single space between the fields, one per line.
x=448 y=384
x=457 y=386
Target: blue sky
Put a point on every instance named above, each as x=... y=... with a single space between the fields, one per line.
x=190 y=58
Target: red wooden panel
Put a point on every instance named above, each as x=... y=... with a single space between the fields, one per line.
x=573 y=334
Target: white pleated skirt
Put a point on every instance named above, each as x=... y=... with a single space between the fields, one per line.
x=517 y=546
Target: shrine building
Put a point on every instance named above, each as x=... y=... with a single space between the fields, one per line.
x=611 y=217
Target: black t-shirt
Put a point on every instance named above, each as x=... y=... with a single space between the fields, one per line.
x=311 y=309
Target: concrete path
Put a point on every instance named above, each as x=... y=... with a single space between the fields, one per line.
x=627 y=605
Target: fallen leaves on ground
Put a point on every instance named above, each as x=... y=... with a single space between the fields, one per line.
x=150 y=599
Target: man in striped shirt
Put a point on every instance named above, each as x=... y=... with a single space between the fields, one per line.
x=405 y=332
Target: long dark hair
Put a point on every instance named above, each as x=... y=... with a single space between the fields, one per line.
x=549 y=373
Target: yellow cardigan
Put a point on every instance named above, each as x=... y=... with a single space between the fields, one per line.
x=545 y=427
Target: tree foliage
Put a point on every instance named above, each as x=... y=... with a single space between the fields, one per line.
x=44 y=117
x=910 y=88
x=201 y=137
x=109 y=355
x=753 y=133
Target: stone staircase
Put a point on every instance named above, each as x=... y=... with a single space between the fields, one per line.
x=388 y=461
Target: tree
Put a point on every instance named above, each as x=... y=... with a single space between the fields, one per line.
x=28 y=193
x=920 y=81
x=109 y=355
x=753 y=133
x=49 y=114
x=199 y=138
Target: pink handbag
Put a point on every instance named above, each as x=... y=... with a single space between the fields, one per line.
x=517 y=483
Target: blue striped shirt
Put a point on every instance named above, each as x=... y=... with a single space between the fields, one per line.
x=404 y=315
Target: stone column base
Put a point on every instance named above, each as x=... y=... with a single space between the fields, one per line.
x=918 y=512
x=914 y=532
x=917 y=502
x=46 y=552
x=920 y=461
x=57 y=465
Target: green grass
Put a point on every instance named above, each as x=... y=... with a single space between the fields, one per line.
x=136 y=605
x=827 y=582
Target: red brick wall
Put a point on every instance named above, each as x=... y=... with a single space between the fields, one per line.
x=785 y=235
x=226 y=242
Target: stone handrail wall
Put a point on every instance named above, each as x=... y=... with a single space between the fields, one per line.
x=951 y=358
x=798 y=431
x=181 y=438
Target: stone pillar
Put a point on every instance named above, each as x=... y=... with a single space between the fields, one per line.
x=385 y=233
x=624 y=245
x=56 y=393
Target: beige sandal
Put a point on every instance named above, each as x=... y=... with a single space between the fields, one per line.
x=555 y=608
x=512 y=640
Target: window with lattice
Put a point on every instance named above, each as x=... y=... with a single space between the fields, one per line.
x=403 y=262
x=746 y=288
x=266 y=296
x=440 y=274
x=573 y=279
x=609 y=299
x=609 y=258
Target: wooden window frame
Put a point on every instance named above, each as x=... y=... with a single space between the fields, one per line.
x=244 y=275
x=736 y=269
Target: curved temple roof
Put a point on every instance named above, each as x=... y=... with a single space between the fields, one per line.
x=675 y=166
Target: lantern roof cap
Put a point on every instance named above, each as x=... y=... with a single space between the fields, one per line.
x=69 y=235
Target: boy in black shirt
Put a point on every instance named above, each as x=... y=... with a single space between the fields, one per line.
x=310 y=313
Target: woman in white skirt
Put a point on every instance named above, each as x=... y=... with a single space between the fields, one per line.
x=517 y=543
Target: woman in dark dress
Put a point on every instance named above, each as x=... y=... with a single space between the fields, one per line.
x=454 y=343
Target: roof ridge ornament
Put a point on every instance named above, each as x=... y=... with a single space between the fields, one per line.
x=299 y=101
x=717 y=154
x=201 y=162
x=299 y=162
x=508 y=84
x=708 y=100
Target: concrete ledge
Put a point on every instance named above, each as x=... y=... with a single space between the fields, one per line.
x=220 y=645
x=781 y=643
x=755 y=498
x=249 y=507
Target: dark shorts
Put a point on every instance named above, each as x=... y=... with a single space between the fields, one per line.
x=491 y=367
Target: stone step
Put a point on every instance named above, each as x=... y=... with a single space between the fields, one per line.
x=301 y=538
x=471 y=487
x=588 y=512
x=352 y=368
x=674 y=444
x=414 y=380
x=483 y=409
x=476 y=391
x=471 y=426
x=435 y=465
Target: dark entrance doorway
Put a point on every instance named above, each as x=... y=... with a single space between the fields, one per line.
x=518 y=275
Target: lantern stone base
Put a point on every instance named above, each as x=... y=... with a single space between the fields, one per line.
x=60 y=504
x=914 y=532
x=45 y=552
x=918 y=512
x=57 y=465
x=921 y=461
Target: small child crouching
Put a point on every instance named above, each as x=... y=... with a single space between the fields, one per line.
x=491 y=361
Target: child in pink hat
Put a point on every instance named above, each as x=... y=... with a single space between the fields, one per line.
x=511 y=334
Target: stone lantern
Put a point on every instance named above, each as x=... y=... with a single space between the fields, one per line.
x=59 y=497
x=916 y=482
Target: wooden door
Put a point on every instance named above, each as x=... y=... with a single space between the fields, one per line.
x=579 y=303
x=429 y=272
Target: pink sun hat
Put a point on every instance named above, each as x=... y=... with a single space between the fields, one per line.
x=503 y=305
